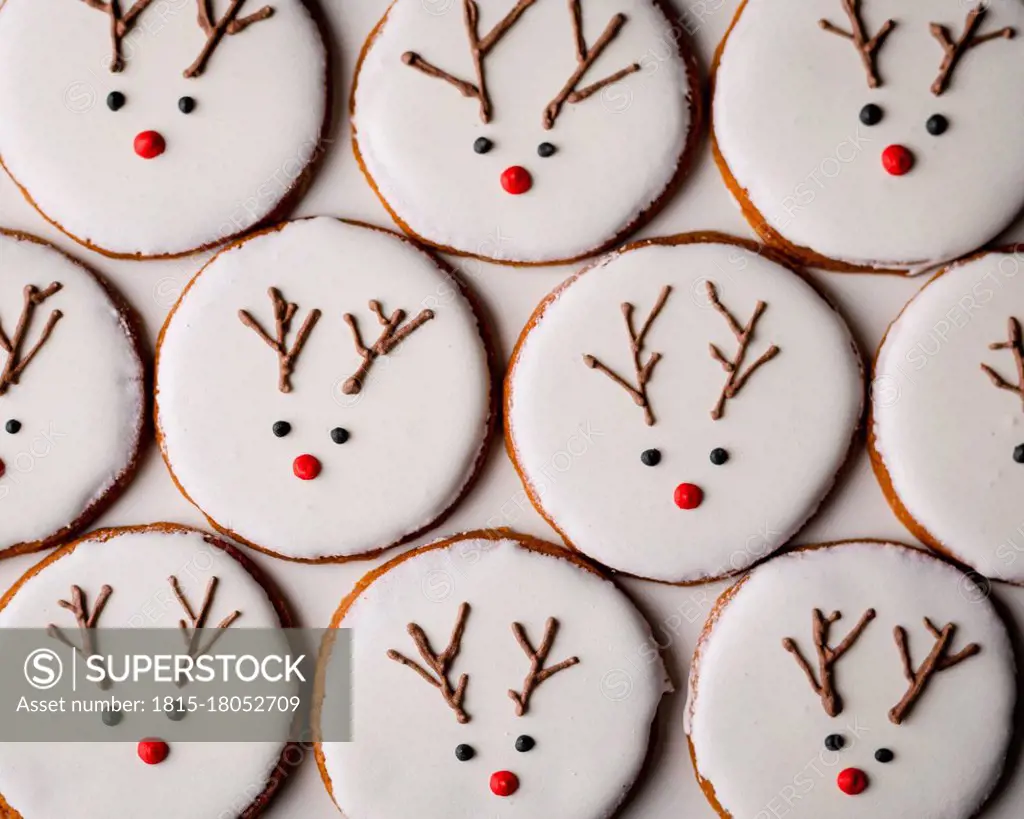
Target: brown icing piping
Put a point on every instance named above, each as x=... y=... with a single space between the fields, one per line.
x=737 y=378
x=284 y=311
x=86 y=620
x=16 y=362
x=537 y=674
x=585 y=58
x=827 y=657
x=937 y=660
x=440 y=664
x=954 y=50
x=120 y=25
x=198 y=621
x=636 y=346
x=867 y=48
x=390 y=337
x=216 y=30
x=1015 y=344
x=479 y=47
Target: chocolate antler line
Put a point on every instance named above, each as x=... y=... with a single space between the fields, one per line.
x=643 y=371
x=937 y=660
x=390 y=337
x=866 y=47
x=120 y=25
x=283 y=311
x=954 y=50
x=216 y=30
x=17 y=361
x=191 y=630
x=1016 y=346
x=86 y=620
x=537 y=674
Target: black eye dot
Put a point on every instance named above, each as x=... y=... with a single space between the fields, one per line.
x=525 y=743
x=482 y=145
x=187 y=105
x=1018 y=453
x=719 y=456
x=884 y=755
x=115 y=100
x=871 y=114
x=177 y=713
x=111 y=718
x=281 y=428
x=834 y=742
x=464 y=753
x=937 y=125
x=546 y=149
x=339 y=435
x=650 y=457
x=13 y=427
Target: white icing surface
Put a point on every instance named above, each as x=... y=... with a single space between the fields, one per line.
x=107 y=778
x=591 y=722
x=259 y=109
x=417 y=428
x=80 y=400
x=791 y=134
x=578 y=436
x=758 y=729
x=617 y=150
x=943 y=430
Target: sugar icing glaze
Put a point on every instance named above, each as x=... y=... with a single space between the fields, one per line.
x=761 y=736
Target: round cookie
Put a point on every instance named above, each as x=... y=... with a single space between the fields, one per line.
x=484 y=126
x=545 y=705
x=145 y=129
x=681 y=408
x=947 y=414
x=850 y=681
x=358 y=432
x=140 y=566
x=72 y=395
x=872 y=134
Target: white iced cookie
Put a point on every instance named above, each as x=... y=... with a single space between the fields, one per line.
x=139 y=577
x=493 y=676
x=680 y=409
x=333 y=371
x=72 y=395
x=483 y=126
x=947 y=415
x=859 y=679
x=874 y=133
x=145 y=128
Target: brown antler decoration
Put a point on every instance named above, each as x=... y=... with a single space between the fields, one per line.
x=120 y=24
x=284 y=311
x=954 y=50
x=937 y=660
x=636 y=345
x=197 y=621
x=537 y=673
x=824 y=684
x=585 y=57
x=479 y=47
x=737 y=377
x=1014 y=344
x=866 y=47
x=390 y=337
x=86 y=620
x=216 y=30
x=17 y=361
x=440 y=664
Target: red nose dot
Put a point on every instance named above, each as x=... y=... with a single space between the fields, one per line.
x=150 y=144
x=516 y=179
x=897 y=160
x=504 y=783
x=153 y=751
x=306 y=467
x=3 y=468
x=852 y=781
x=688 y=496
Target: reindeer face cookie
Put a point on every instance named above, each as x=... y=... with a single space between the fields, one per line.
x=334 y=372
x=72 y=398
x=483 y=128
x=662 y=407
x=143 y=577
x=145 y=128
x=947 y=415
x=873 y=133
x=876 y=671
x=503 y=674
